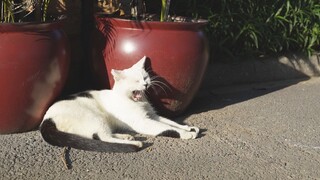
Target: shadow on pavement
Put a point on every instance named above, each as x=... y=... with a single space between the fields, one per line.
x=217 y=98
x=256 y=78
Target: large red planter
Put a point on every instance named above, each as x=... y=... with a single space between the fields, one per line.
x=178 y=54
x=34 y=61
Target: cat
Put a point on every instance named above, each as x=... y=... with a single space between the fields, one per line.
x=89 y=120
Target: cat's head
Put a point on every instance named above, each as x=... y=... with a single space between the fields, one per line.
x=133 y=82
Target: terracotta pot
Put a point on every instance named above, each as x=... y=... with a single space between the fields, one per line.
x=177 y=52
x=34 y=60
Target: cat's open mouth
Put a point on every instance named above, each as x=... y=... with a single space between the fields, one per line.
x=137 y=95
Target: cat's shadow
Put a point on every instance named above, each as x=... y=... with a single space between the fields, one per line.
x=140 y=138
x=202 y=133
x=146 y=145
x=156 y=96
x=161 y=93
x=144 y=138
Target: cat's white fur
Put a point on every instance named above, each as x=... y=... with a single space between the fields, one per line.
x=123 y=107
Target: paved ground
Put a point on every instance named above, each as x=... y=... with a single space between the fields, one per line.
x=260 y=131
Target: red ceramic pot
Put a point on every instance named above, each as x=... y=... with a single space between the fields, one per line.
x=177 y=52
x=34 y=61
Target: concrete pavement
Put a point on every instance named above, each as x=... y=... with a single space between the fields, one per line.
x=290 y=66
x=258 y=131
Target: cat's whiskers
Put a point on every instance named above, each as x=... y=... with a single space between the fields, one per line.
x=164 y=84
x=160 y=84
x=155 y=84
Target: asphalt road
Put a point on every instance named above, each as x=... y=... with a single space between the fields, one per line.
x=259 y=131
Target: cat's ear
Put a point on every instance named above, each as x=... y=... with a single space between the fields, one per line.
x=116 y=74
x=140 y=64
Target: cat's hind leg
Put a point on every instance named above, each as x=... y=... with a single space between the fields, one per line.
x=119 y=138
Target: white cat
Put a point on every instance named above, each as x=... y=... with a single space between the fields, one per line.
x=89 y=120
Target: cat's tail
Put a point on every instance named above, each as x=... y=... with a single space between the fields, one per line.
x=53 y=136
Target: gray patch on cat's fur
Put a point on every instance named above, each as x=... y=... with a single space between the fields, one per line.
x=84 y=94
x=170 y=133
x=95 y=136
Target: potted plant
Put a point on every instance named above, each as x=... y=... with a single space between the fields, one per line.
x=34 y=58
x=176 y=47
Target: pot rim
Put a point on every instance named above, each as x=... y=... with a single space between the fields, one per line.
x=142 y=24
x=32 y=26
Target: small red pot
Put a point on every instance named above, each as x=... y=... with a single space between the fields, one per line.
x=34 y=60
x=178 y=54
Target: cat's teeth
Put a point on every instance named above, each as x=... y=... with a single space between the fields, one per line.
x=136 y=95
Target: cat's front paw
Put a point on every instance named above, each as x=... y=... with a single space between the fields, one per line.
x=192 y=129
x=139 y=144
x=189 y=135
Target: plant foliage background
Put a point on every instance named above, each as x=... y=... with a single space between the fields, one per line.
x=13 y=11
x=256 y=28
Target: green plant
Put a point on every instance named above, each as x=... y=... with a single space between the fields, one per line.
x=252 y=28
x=165 y=6
x=23 y=10
x=249 y=28
x=190 y=8
x=266 y=27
